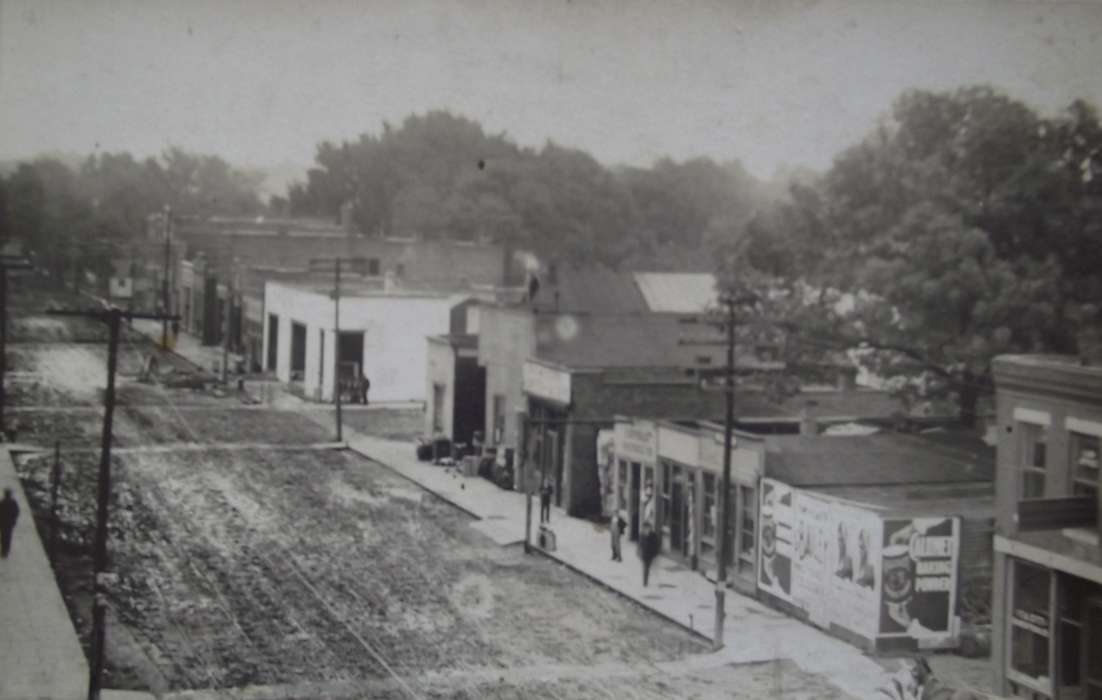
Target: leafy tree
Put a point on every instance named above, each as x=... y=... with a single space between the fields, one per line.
x=964 y=227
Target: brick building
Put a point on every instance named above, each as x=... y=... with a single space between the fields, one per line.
x=222 y=265
x=1047 y=628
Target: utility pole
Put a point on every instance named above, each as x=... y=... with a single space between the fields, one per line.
x=7 y=262
x=112 y=316
x=337 y=342
x=730 y=302
x=164 y=280
x=322 y=265
x=526 y=482
x=725 y=494
x=229 y=319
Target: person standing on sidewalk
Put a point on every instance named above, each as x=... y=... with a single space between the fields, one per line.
x=545 y=501
x=616 y=527
x=9 y=513
x=648 y=549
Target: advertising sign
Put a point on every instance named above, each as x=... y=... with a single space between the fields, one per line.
x=919 y=577
x=546 y=382
x=855 y=579
x=813 y=558
x=821 y=556
x=636 y=441
x=777 y=538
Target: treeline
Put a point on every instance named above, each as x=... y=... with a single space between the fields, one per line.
x=80 y=217
x=440 y=175
x=965 y=226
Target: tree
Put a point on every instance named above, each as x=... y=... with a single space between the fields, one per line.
x=964 y=227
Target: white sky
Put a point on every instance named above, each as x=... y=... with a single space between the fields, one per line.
x=770 y=83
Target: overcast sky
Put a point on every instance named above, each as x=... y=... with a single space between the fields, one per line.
x=769 y=83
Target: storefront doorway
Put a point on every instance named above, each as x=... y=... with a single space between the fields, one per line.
x=678 y=485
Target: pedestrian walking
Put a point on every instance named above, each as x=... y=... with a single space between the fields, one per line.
x=9 y=513
x=648 y=549
x=545 y=501
x=616 y=527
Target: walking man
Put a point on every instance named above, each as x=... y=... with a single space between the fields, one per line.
x=648 y=549
x=616 y=527
x=545 y=501
x=9 y=513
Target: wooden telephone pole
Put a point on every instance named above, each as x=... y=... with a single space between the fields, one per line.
x=730 y=302
x=112 y=316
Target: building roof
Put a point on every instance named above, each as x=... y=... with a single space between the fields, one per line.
x=879 y=460
x=638 y=340
x=591 y=289
x=833 y=404
x=677 y=292
x=974 y=499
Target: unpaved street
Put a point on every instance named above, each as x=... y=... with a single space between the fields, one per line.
x=252 y=563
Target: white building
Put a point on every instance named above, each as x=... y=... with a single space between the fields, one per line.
x=383 y=332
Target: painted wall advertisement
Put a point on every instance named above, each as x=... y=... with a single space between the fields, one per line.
x=846 y=566
x=920 y=577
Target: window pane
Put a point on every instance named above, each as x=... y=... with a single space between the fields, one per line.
x=1084 y=461
x=708 y=521
x=1029 y=653
x=749 y=506
x=1069 y=654
x=1031 y=594
x=1033 y=484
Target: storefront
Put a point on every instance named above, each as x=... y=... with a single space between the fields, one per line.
x=1054 y=633
x=548 y=391
x=635 y=448
x=674 y=470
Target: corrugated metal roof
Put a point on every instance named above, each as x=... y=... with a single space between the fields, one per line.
x=677 y=292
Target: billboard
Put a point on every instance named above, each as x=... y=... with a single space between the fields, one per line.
x=920 y=559
x=847 y=566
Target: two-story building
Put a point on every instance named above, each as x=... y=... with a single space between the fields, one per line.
x=1047 y=639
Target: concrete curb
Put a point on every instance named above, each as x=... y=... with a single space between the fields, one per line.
x=416 y=483
x=607 y=586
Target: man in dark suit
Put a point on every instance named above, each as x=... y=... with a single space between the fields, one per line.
x=9 y=513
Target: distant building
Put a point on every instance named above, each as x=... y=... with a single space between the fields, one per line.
x=1047 y=628
x=383 y=333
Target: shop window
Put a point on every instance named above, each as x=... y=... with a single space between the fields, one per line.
x=1084 y=464
x=708 y=521
x=1029 y=625
x=747 y=509
x=1032 y=456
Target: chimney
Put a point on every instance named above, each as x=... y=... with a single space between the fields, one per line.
x=809 y=425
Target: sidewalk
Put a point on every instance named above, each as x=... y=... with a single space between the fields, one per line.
x=753 y=632
x=40 y=656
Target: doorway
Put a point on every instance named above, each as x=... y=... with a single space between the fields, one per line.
x=298 y=350
x=273 y=338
